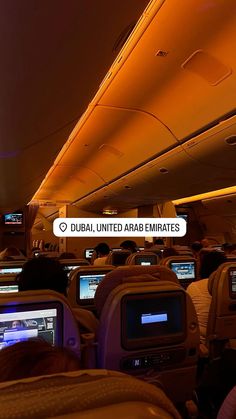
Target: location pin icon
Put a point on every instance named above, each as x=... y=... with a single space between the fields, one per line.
x=63 y=227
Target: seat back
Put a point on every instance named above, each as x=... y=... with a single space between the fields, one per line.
x=117 y=257
x=150 y=330
x=228 y=408
x=221 y=325
x=184 y=267
x=86 y=394
x=71 y=264
x=8 y=283
x=44 y=314
x=122 y=273
x=83 y=284
x=142 y=258
x=11 y=267
x=183 y=250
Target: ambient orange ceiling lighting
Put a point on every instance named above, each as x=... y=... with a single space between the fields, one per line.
x=145 y=19
x=207 y=195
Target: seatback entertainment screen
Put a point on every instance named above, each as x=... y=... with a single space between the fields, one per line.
x=7 y=287
x=145 y=260
x=153 y=319
x=184 y=270
x=23 y=322
x=232 y=282
x=13 y=219
x=88 y=253
x=86 y=287
x=10 y=270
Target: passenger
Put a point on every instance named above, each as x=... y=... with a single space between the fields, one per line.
x=147 y=245
x=228 y=248
x=196 y=247
x=159 y=242
x=35 y=357
x=47 y=273
x=198 y=290
x=102 y=251
x=43 y=273
x=129 y=245
x=169 y=251
x=205 y=242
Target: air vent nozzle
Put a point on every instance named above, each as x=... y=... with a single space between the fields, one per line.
x=231 y=140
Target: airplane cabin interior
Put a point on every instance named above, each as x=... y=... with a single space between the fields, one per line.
x=120 y=109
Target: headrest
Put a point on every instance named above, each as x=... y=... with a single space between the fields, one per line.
x=141 y=278
x=116 y=277
x=215 y=276
x=117 y=256
x=131 y=259
x=78 y=391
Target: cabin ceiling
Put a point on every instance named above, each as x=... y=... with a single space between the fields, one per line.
x=54 y=55
x=159 y=126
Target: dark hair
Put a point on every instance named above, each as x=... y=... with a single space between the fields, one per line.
x=159 y=241
x=196 y=246
x=102 y=248
x=35 y=357
x=169 y=251
x=210 y=263
x=43 y=273
x=129 y=245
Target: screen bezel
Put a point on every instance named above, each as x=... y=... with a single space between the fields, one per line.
x=142 y=259
x=156 y=341
x=183 y=262
x=17 y=308
x=231 y=292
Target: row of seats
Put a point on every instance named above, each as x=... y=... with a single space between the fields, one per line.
x=86 y=280
x=148 y=325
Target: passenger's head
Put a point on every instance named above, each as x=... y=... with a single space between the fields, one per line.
x=169 y=251
x=43 y=273
x=196 y=247
x=35 y=357
x=102 y=249
x=205 y=243
x=228 y=248
x=129 y=245
x=159 y=242
x=210 y=262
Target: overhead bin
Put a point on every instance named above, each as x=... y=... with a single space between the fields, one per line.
x=114 y=141
x=168 y=177
x=182 y=70
x=67 y=183
x=216 y=147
